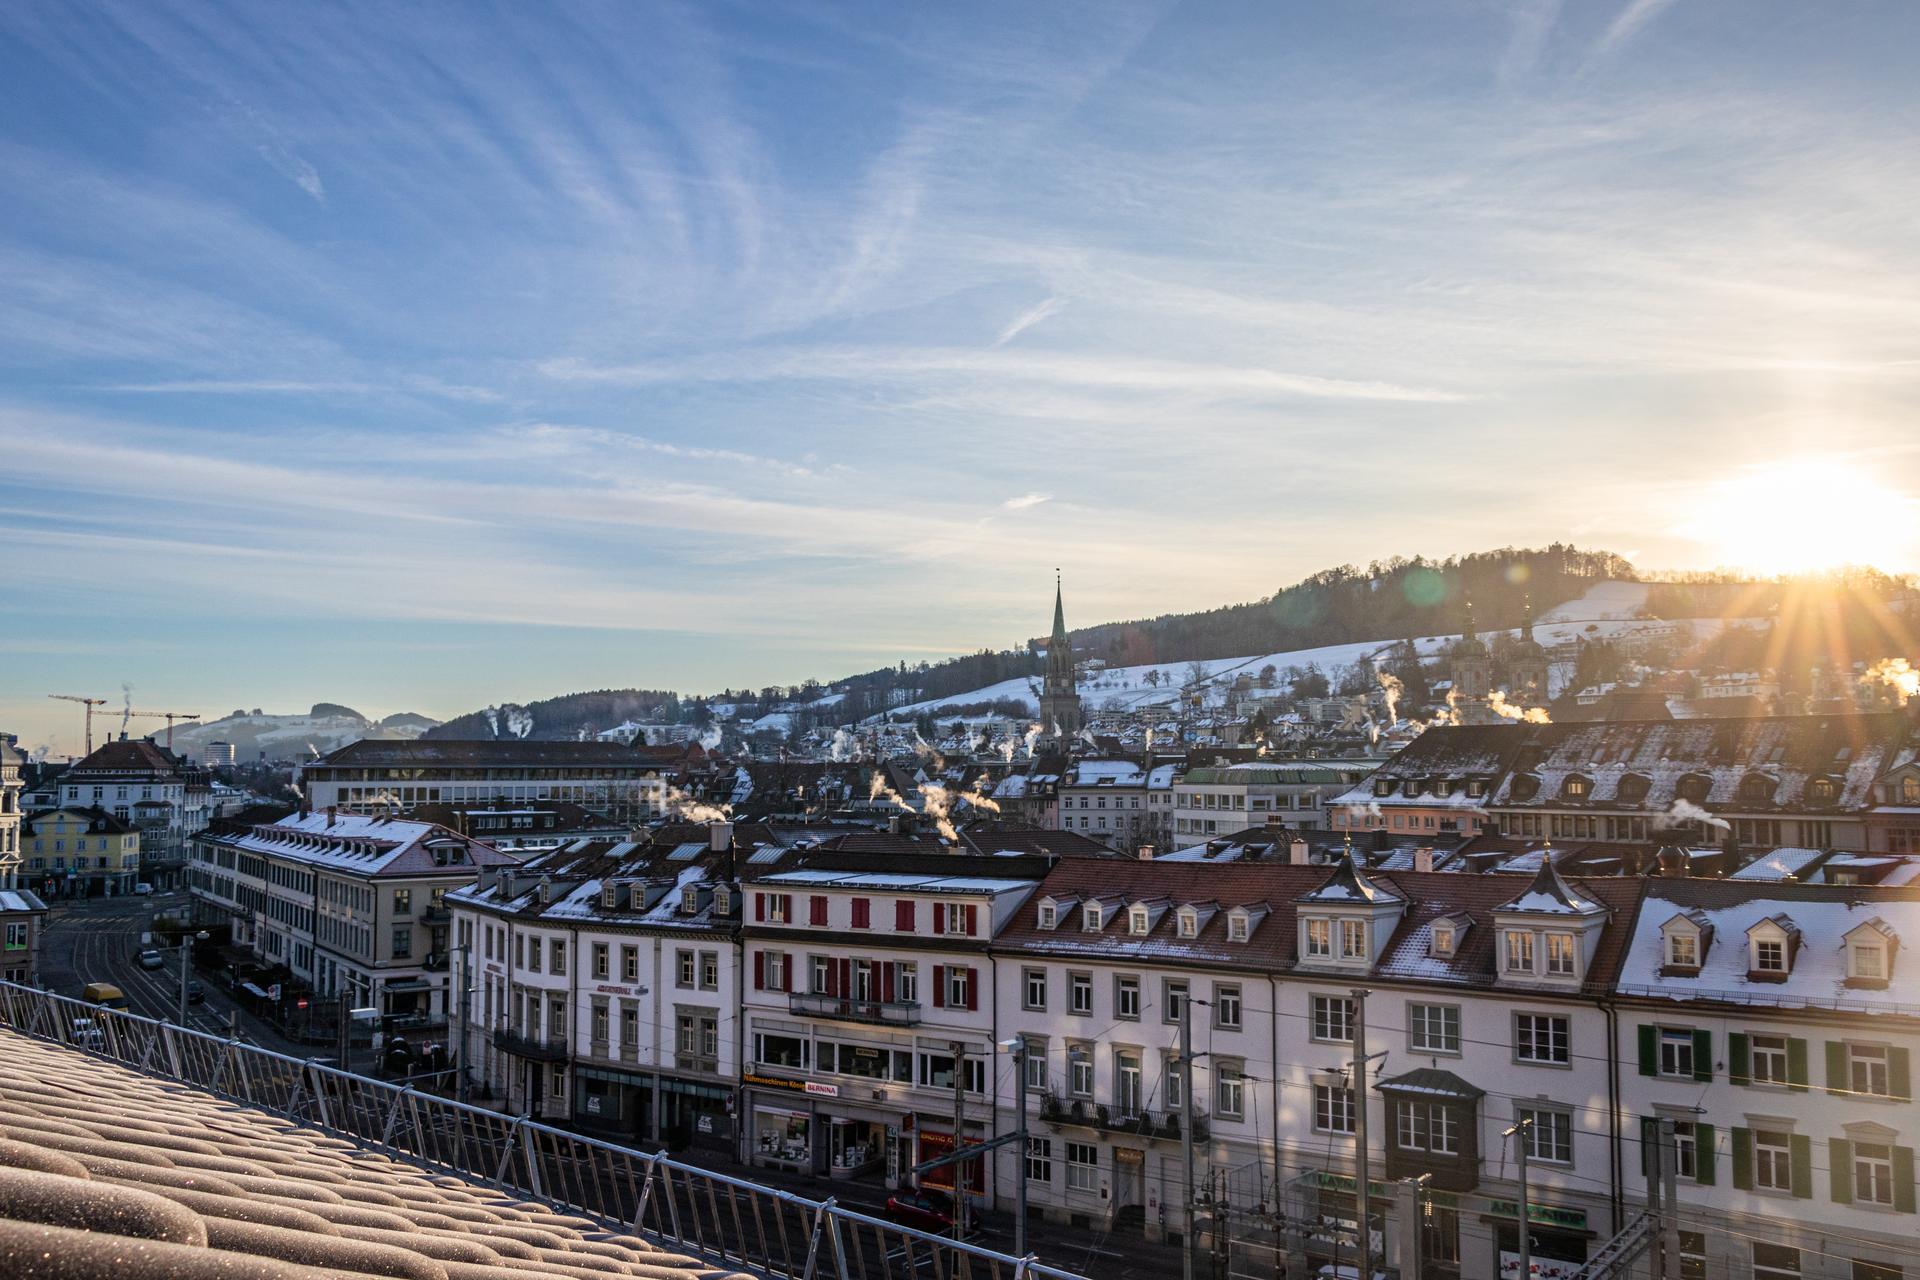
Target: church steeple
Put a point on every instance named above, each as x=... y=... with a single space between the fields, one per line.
x=1060 y=712
x=1526 y=616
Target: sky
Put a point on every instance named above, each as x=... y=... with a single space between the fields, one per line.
x=425 y=356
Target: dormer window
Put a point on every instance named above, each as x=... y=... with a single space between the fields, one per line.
x=1049 y=915
x=1683 y=951
x=1383 y=787
x=1576 y=787
x=1320 y=939
x=1137 y=921
x=1910 y=789
x=610 y=896
x=1353 y=940
x=1867 y=960
x=722 y=900
x=1237 y=927
x=690 y=901
x=1822 y=791
x=1476 y=788
x=1090 y=918
x=1560 y=955
x=1769 y=955
x=1519 y=951
x=1443 y=939
x=1188 y=923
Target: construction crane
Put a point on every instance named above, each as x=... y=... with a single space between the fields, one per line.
x=169 y=717
x=89 y=704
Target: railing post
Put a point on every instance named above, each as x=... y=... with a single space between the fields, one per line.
x=673 y=1207
x=172 y=1043
x=528 y=1152
x=839 y=1248
x=506 y=1150
x=821 y=1212
x=325 y=1112
x=646 y=1194
x=393 y=1116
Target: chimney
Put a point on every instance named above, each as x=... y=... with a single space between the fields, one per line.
x=333 y=814
x=1423 y=858
x=1297 y=853
x=1146 y=853
x=720 y=836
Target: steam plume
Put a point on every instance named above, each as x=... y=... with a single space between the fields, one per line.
x=1687 y=811
x=1498 y=704
x=1391 y=687
x=1896 y=673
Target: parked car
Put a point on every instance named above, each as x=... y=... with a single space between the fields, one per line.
x=104 y=994
x=151 y=959
x=87 y=1034
x=195 y=992
x=923 y=1209
x=143 y=888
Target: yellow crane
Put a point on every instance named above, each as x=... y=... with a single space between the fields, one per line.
x=169 y=717
x=89 y=704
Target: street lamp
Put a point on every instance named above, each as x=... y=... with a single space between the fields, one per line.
x=1017 y=1046
x=186 y=955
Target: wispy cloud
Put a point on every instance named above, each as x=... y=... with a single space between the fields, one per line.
x=1629 y=21
x=1029 y=318
x=1026 y=500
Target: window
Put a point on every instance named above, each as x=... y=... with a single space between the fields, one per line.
x=959 y=987
x=906 y=982
x=1333 y=1019
x=1083 y=1166
x=1080 y=1070
x=1676 y=1053
x=1188 y=923
x=1126 y=999
x=863 y=913
x=1560 y=955
x=1226 y=1007
x=402 y=941
x=1768 y=1056
x=402 y=898
x=599 y=1031
x=1867 y=1070
x=1353 y=939
x=683 y=970
x=1868 y=961
x=1035 y=1057
x=1126 y=1082
x=1772 y=1160
x=1332 y=1108
x=1138 y=918
x=629 y=964
x=1049 y=915
x=1542 y=1037
x=1039 y=1159
x=1320 y=938
x=1443 y=940
x=1519 y=951
x=953 y=917
x=775 y=907
x=1090 y=919
x=1427 y=1126
x=1872 y=1173
x=1034 y=993
x=1237 y=927
x=1549 y=1135
x=557 y=955
x=1686 y=1149
x=1435 y=1028
x=709 y=970
x=601 y=963
x=1080 y=993
x=1769 y=955
x=1864 y=1270
x=1173 y=999
x=1230 y=1088
x=1775 y=1262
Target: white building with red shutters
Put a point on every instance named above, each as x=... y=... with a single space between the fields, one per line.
x=864 y=989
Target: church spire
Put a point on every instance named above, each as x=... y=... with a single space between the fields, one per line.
x=1468 y=633
x=1526 y=616
x=1059 y=613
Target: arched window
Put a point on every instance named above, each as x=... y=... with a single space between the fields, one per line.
x=1525 y=787
x=1576 y=787
x=1822 y=791
x=1757 y=789
x=1633 y=788
x=1693 y=788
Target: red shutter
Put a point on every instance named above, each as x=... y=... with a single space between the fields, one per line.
x=759 y=906
x=903 y=916
x=973 y=987
x=861 y=908
x=939 y=986
x=846 y=978
x=973 y=920
x=819 y=908
x=759 y=971
x=886 y=982
x=833 y=977
x=786 y=908
x=939 y=917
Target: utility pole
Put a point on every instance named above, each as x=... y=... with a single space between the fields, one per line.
x=1363 y=1175
x=959 y=1129
x=460 y=1039
x=1519 y=1132
x=186 y=952
x=1020 y=1145
x=1669 y=1195
x=1186 y=1128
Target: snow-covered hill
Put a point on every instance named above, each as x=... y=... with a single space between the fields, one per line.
x=293 y=737
x=1606 y=612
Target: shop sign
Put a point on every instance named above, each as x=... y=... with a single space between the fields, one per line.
x=704 y=1123
x=1129 y=1155
x=1545 y=1215
x=609 y=989
x=1345 y=1182
x=793 y=1086
x=593 y=1104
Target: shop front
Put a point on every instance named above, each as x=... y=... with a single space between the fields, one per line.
x=696 y=1114
x=785 y=1130
x=933 y=1138
x=1557 y=1240
x=613 y=1104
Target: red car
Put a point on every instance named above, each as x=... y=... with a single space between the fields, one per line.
x=923 y=1209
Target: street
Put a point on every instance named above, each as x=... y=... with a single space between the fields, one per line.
x=97 y=940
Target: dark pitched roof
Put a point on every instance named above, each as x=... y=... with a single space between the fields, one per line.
x=131 y=755
x=1431 y=1082
x=1349 y=884
x=506 y=752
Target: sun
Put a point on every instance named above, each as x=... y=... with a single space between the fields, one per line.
x=1802 y=515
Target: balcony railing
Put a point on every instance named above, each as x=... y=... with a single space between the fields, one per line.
x=435 y=915
x=1141 y=1122
x=730 y=1223
x=507 y=1040
x=895 y=1013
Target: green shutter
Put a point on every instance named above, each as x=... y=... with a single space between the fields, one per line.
x=1649 y=1050
x=1739 y=1060
x=1797 y=1064
x=1840 y=1166
x=1649 y=1136
x=1703 y=1154
x=1899 y=1077
x=1743 y=1159
x=1836 y=1067
x=1703 y=1055
x=1800 y=1152
x=1903 y=1179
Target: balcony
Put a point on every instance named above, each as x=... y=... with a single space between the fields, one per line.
x=1144 y=1123
x=531 y=1047
x=436 y=915
x=891 y=1013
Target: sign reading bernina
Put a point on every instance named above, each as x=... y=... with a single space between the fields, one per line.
x=794 y=1086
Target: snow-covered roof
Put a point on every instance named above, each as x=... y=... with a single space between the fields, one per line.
x=1551 y=895
x=1348 y=884
x=899 y=881
x=1785 y=863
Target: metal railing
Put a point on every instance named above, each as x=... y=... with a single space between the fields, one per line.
x=725 y=1220
x=903 y=1013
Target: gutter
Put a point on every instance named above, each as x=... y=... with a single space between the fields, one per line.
x=1613 y=1111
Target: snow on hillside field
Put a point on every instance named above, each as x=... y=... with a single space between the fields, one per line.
x=1605 y=612
x=290 y=737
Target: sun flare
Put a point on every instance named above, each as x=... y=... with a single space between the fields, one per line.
x=1782 y=518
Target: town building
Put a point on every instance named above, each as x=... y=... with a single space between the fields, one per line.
x=79 y=853
x=22 y=913
x=1218 y=800
x=1108 y=801
x=1438 y=785
x=523 y=827
x=12 y=787
x=626 y=783
x=164 y=797
x=347 y=906
x=218 y=755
